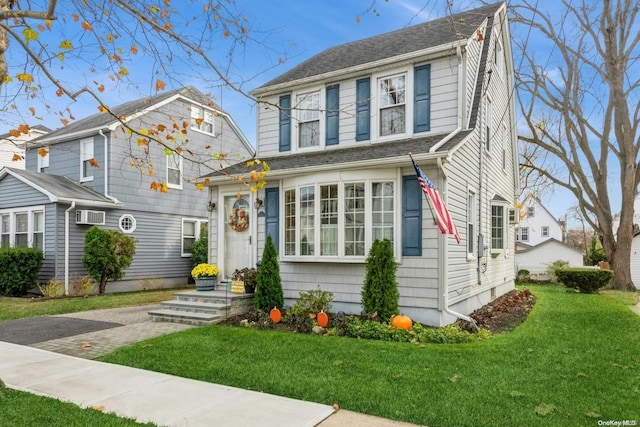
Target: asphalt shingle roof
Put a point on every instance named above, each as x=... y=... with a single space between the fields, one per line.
x=61 y=187
x=426 y=35
x=101 y=120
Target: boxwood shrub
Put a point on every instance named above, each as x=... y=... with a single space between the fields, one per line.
x=585 y=280
x=19 y=268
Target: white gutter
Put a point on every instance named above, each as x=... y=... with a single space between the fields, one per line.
x=443 y=264
x=106 y=168
x=66 y=247
x=444 y=140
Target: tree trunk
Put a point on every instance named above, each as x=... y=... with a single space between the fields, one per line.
x=103 y=284
x=621 y=262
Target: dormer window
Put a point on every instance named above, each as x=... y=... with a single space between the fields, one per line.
x=308 y=106
x=392 y=105
x=202 y=119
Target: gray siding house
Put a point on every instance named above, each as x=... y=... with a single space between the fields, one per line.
x=337 y=131
x=139 y=179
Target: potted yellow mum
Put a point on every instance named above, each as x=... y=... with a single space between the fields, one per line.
x=206 y=276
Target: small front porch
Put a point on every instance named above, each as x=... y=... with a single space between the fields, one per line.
x=202 y=307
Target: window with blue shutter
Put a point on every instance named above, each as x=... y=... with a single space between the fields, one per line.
x=285 y=122
x=422 y=99
x=272 y=214
x=333 y=114
x=411 y=216
x=363 y=109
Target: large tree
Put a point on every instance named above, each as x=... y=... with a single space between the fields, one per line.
x=88 y=49
x=578 y=89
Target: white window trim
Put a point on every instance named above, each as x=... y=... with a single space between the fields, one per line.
x=202 y=109
x=505 y=229
x=133 y=223
x=544 y=231
x=408 y=104
x=169 y=158
x=296 y=115
x=198 y=223
x=341 y=179
x=519 y=234
x=30 y=224
x=84 y=156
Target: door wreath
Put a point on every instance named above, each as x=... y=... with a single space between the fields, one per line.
x=238 y=217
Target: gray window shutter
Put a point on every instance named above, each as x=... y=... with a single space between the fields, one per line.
x=363 y=109
x=422 y=99
x=285 y=122
x=272 y=214
x=333 y=114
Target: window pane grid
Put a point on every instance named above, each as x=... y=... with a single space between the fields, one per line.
x=354 y=203
x=290 y=222
x=382 y=210
x=392 y=108
x=497 y=227
x=329 y=219
x=307 y=218
x=309 y=120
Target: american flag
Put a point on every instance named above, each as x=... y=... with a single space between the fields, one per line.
x=440 y=211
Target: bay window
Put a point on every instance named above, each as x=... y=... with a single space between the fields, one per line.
x=338 y=219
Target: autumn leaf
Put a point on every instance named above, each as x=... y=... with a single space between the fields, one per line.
x=143 y=142
x=102 y=108
x=143 y=131
x=101 y=88
x=25 y=77
x=23 y=128
x=65 y=44
x=357 y=19
x=199 y=121
x=161 y=127
x=64 y=122
x=42 y=152
x=14 y=133
x=32 y=110
x=94 y=163
x=87 y=26
x=75 y=17
x=123 y=71
x=226 y=34
x=199 y=187
x=159 y=85
x=60 y=92
x=16 y=157
x=30 y=34
x=98 y=407
x=254 y=176
x=133 y=49
x=86 y=345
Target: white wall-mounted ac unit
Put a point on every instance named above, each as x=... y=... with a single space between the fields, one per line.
x=90 y=217
x=514 y=216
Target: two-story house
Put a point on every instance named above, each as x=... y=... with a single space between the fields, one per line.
x=337 y=131
x=135 y=179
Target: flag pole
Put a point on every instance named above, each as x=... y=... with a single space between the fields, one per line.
x=425 y=196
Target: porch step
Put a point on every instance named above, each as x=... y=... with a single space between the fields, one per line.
x=189 y=318
x=202 y=307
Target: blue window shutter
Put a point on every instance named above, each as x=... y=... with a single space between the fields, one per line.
x=422 y=99
x=285 y=122
x=363 y=109
x=333 y=114
x=272 y=214
x=411 y=216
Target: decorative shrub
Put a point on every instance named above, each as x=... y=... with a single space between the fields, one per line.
x=523 y=276
x=312 y=302
x=555 y=266
x=380 y=291
x=107 y=253
x=83 y=285
x=53 y=288
x=200 y=250
x=585 y=280
x=269 y=292
x=19 y=268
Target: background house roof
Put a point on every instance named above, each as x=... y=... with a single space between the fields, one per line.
x=460 y=26
x=102 y=120
x=59 y=188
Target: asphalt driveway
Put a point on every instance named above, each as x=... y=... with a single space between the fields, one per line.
x=46 y=328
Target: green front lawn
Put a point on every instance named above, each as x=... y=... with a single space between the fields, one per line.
x=576 y=360
x=18 y=308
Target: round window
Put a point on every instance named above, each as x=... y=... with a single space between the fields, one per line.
x=127 y=223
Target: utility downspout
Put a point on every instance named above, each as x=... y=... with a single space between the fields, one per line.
x=443 y=263
x=66 y=247
x=106 y=168
x=444 y=140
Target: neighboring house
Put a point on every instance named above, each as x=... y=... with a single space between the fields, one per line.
x=635 y=260
x=537 y=259
x=337 y=131
x=97 y=173
x=537 y=225
x=12 y=147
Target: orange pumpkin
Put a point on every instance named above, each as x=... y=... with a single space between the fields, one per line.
x=275 y=315
x=401 y=321
x=323 y=319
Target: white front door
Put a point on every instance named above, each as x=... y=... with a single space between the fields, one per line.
x=237 y=233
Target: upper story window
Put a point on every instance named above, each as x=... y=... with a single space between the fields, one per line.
x=43 y=161
x=531 y=212
x=202 y=119
x=86 y=159
x=392 y=99
x=174 y=170
x=308 y=106
x=522 y=234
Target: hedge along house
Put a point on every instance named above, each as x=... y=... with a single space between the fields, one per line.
x=337 y=130
x=86 y=178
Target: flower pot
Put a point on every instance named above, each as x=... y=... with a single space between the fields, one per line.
x=249 y=289
x=206 y=283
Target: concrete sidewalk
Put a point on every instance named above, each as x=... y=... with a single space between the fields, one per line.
x=146 y=396
x=61 y=367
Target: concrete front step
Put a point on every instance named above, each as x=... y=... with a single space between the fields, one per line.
x=188 y=318
x=195 y=307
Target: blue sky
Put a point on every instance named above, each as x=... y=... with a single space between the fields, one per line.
x=304 y=28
